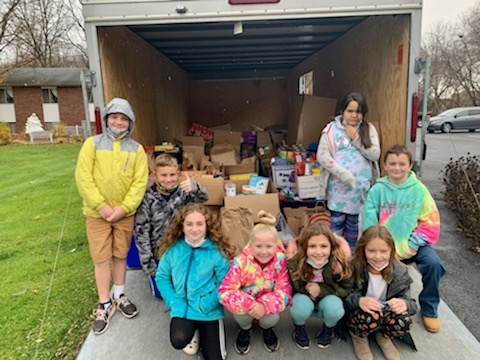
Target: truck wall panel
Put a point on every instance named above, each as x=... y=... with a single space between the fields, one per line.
x=241 y=103
x=366 y=60
x=156 y=88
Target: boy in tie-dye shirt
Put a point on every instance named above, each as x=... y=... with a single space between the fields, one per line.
x=401 y=203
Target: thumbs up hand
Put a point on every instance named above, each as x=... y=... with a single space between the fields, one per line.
x=186 y=184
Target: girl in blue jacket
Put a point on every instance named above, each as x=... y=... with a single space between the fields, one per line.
x=194 y=259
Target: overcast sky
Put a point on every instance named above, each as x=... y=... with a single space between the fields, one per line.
x=443 y=10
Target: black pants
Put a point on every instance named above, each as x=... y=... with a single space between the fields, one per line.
x=212 y=336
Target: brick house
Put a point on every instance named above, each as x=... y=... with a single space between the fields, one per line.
x=53 y=94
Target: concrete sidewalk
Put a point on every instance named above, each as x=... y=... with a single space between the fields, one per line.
x=147 y=335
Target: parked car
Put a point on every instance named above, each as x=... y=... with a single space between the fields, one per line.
x=420 y=118
x=462 y=118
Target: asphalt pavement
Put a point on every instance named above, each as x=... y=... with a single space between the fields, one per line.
x=460 y=287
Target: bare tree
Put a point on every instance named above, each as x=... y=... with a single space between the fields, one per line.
x=44 y=32
x=76 y=35
x=7 y=31
x=455 y=62
x=443 y=85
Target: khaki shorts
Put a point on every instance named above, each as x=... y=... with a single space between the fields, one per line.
x=107 y=240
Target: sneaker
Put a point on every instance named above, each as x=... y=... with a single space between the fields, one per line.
x=127 y=308
x=270 y=340
x=325 y=337
x=102 y=318
x=193 y=345
x=242 y=344
x=301 y=337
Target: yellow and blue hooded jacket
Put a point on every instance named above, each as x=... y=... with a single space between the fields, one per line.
x=112 y=169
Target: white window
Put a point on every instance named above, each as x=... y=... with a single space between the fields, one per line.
x=50 y=96
x=6 y=96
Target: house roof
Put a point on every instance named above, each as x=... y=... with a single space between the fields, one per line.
x=43 y=77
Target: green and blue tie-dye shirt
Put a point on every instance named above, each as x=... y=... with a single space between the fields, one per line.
x=408 y=211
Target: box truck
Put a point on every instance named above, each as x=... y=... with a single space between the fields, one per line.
x=262 y=62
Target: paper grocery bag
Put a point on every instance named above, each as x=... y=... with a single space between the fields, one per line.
x=237 y=224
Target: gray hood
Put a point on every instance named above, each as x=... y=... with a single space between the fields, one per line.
x=118 y=105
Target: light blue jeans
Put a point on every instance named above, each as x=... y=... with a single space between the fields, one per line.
x=330 y=309
x=244 y=321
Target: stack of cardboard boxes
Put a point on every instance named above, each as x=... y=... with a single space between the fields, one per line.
x=309 y=115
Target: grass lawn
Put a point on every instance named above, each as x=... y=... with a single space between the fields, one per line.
x=48 y=289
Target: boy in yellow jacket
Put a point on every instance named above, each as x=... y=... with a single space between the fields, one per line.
x=111 y=177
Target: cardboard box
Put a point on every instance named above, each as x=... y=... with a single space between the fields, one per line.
x=308 y=116
x=221 y=155
x=215 y=188
x=268 y=202
x=307 y=186
x=248 y=165
x=195 y=145
x=283 y=175
x=230 y=137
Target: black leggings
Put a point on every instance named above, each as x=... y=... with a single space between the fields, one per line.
x=212 y=336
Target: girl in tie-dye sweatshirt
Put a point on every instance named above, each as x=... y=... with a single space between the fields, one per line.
x=257 y=285
x=401 y=203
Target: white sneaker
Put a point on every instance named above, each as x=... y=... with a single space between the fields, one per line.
x=194 y=345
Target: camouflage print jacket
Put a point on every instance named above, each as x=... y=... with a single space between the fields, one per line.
x=153 y=219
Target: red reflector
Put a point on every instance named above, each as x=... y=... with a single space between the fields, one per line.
x=413 y=130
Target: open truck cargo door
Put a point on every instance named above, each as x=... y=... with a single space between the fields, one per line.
x=180 y=64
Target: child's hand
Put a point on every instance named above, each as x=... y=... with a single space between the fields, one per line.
x=257 y=311
x=398 y=306
x=186 y=184
x=118 y=213
x=369 y=305
x=412 y=251
x=313 y=290
x=291 y=249
x=352 y=132
x=106 y=211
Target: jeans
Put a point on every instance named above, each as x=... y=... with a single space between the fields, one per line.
x=345 y=225
x=432 y=269
x=244 y=321
x=330 y=308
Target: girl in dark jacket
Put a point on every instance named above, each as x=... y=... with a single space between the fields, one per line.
x=380 y=302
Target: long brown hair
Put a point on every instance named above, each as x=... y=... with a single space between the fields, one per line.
x=364 y=130
x=304 y=270
x=214 y=230
x=360 y=261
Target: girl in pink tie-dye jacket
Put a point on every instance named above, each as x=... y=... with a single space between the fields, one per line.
x=258 y=285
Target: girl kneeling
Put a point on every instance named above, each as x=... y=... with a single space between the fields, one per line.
x=379 y=303
x=257 y=285
x=321 y=277
x=193 y=262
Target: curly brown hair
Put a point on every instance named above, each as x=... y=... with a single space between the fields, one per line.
x=214 y=230
x=360 y=261
x=304 y=270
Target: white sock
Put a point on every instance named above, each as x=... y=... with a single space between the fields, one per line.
x=106 y=304
x=118 y=290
